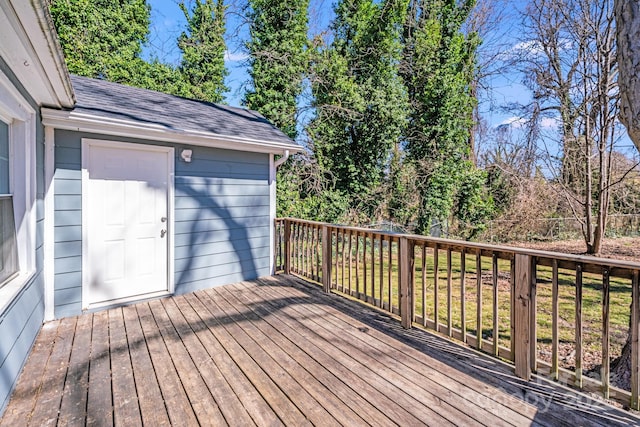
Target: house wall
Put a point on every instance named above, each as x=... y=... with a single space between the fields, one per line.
x=21 y=320
x=222 y=226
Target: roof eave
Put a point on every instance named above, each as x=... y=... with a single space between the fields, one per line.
x=71 y=120
x=31 y=49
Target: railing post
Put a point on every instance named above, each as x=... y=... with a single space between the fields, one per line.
x=287 y=246
x=327 y=259
x=405 y=264
x=635 y=341
x=521 y=306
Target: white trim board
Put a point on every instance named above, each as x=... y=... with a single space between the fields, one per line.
x=20 y=116
x=79 y=122
x=49 y=224
x=30 y=48
x=86 y=144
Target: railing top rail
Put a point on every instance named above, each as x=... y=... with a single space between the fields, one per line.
x=463 y=245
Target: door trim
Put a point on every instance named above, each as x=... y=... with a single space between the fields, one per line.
x=86 y=145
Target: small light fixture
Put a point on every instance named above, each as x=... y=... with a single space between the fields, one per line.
x=186 y=155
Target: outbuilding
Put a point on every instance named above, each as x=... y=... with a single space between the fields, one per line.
x=111 y=194
x=156 y=194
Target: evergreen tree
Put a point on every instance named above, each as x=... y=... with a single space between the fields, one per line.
x=437 y=67
x=102 y=38
x=278 y=59
x=360 y=101
x=203 y=49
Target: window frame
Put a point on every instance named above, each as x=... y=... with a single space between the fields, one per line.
x=16 y=111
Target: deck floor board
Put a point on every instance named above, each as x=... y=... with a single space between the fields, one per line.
x=274 y=351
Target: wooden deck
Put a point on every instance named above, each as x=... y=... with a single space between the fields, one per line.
x=271 y=352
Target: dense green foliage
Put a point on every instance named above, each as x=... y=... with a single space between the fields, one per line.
x=438 y=68
x=359 y=99
x=203 y=49
x=389 y=87
x=278 y=59
x=103 y=38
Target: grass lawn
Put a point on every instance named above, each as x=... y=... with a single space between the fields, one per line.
x=381 y=279
x=620 y=300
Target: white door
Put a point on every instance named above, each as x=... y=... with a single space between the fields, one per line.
x=125 y=204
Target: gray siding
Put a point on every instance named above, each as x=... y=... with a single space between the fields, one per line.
x=68 y=225
x=222 y=225
x=20 y=322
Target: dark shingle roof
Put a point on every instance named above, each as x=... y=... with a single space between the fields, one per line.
x=115 y=101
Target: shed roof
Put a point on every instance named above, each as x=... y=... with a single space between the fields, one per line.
x=117 y=102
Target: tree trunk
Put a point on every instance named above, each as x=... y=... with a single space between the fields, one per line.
x=628 y=33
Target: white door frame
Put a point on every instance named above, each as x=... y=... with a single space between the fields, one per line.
x=87 y=143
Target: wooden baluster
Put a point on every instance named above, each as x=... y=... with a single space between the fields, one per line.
x=479 y=299
x=358 y=265
x=307 y=246
x=635 y=342
x=287 y=246
x=496 y=323
x=449 y=293
x=373 y=268
x=326 y=258
x=364 y=264
x=317 y=252
x=343 y=255
x=389 y=274
x=350 y=259
x=317 y=257
x=298 y=249
x=381 y=260
x=533 y=324
x=337 y=256
x=424 y=284
x=436 y=272
x=605 y=333
x=578 y=303
x=555 y=322
x=463 y=293
x=294 y=247
x=512 y=311
x=405 y=267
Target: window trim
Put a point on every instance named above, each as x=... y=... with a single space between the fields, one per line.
x=21 y=117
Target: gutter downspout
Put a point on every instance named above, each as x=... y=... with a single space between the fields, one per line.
x=281 y=160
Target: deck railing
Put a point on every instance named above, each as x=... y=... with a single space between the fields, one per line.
x=559 y=315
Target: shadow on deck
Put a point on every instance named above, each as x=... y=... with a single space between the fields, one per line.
x=269 y=352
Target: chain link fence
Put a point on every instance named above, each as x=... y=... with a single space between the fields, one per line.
x=547 y=229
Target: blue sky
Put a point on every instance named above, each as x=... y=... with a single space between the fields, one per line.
x=168 y=22
x=505 y=87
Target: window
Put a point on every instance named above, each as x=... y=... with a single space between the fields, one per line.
x=18 y=211
x=8 y=248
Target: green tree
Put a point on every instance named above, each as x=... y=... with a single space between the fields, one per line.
x=203 y=49
x=277 y=59
x=438 y=67
x=360 y=101
x=102 y=38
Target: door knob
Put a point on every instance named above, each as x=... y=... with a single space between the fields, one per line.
x=163 y=219
x=163 y=232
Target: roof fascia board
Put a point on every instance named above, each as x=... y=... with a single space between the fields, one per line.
x=69 y=120
x=30 y=48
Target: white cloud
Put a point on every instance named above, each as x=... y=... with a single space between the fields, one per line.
x=514 y=122
x=531 y=47
x=549 y=123
x=234 y=57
